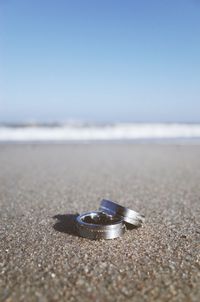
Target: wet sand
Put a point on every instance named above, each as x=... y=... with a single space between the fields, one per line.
x=43 y=187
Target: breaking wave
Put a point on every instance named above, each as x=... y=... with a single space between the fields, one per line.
x=120 y=131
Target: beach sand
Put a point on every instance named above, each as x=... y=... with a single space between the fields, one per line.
x=42 y=187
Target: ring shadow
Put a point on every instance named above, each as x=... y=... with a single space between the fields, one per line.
x=66 y=223
x=130 y=227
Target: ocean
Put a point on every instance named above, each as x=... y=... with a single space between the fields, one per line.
x=77 y=132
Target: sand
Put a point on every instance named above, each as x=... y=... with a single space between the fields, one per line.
x=43 y=187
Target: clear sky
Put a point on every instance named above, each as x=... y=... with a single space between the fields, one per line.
x=100 y=60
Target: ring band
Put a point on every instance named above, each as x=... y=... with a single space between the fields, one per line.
x=126 y=214
x=100 y=225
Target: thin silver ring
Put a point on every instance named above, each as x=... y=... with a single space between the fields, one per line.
x=99 y=225
x=128 y=215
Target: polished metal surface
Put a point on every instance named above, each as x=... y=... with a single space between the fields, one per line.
x=99 y=225
x=126 y=214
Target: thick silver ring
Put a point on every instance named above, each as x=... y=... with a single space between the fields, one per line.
x=99 y=225
x=126 y=214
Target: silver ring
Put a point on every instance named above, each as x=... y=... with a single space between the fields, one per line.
x=126 y=214
x=99 y=225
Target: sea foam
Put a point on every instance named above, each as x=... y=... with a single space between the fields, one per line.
x=120 y=131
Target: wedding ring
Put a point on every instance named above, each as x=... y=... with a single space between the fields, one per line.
x=100 y=225
x=126 y=214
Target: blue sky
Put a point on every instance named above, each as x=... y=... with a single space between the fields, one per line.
x=102 y=61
